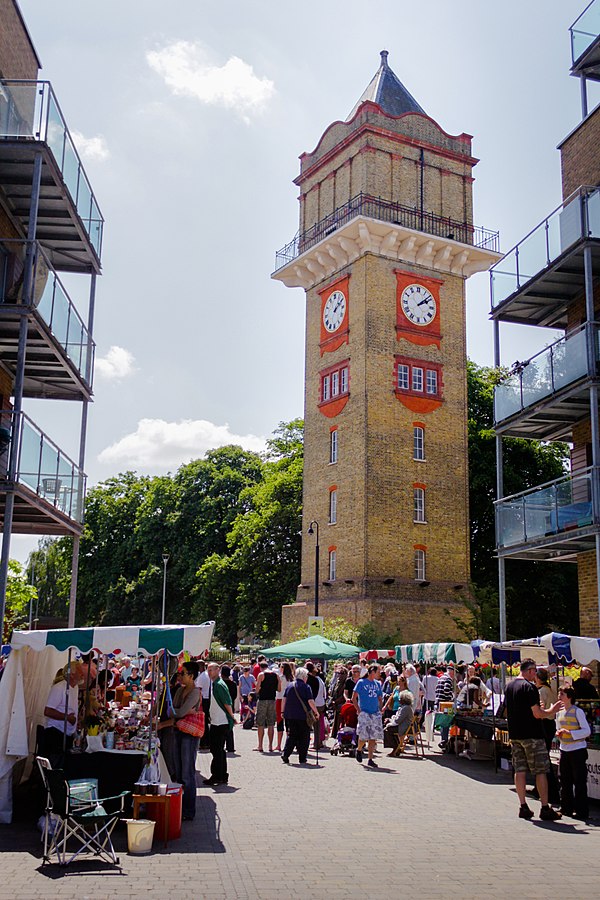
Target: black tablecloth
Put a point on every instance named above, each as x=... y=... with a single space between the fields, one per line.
x=115 y=772
x=479 y=726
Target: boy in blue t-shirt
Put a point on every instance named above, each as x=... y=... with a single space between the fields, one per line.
x=368 y=699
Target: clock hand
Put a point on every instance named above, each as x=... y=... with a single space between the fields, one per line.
x=421 y=302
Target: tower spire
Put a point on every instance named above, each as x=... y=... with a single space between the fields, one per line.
x=386 y=89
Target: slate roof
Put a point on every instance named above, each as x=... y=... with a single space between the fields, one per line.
x=386 y=89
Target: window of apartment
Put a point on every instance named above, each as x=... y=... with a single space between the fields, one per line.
x=419 y=565
x=332 y=563
x=413 y=376
x=333 y=445
x=418 y=442
x=332 y=506
x=418 y=504
x=335 y=382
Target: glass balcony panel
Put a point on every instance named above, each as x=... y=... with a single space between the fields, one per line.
x=539 y=509
x=504 y=282
x=71 y=172
x=511 y=523
x=55 y=131
x=60 y=318
x=18 y=110
x=537 y=379
x=507 y=398
x=569 y=360
x=84 y=201
x=29 y=458
x=593 y=214
x=533 y=254
x=585 y=30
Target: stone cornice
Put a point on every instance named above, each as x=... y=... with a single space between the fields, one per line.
x=396 y=242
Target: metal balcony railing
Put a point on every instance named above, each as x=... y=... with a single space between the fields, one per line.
x=29 y=110
x=40 y=465
x=549 y=371
x=576 y=219
x=386 y=211
x=585 y=30
x=50 y=300
x=553 y=508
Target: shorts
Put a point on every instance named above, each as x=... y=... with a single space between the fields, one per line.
x=266 y=715
x=530 y=754
x=370 y=726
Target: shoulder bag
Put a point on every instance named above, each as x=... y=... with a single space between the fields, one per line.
x=311 y=719
x=192 y=723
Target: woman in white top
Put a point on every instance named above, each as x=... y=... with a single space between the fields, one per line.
x=572 y=731
x=286 y=676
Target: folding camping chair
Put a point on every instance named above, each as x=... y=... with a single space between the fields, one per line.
x=84 y=820
x=414 y=731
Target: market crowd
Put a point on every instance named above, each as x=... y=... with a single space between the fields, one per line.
x=196 y=705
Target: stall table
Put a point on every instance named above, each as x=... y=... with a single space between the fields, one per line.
x=116 y=770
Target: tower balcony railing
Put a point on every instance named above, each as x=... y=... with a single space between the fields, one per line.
x=50 y=300
x=29 y=110
x=386 y=211
x=40 y=465
x=555 y=508
x=585 y=30
x=551 y=370
x=575 y=220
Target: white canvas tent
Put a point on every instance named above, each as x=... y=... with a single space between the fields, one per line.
x=37 y=655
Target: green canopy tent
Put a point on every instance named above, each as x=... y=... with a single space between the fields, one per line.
x=313 y=647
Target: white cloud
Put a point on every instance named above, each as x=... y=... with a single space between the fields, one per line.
x=185 y=68
x=118 y=363
x=158 y=445
x=91 y=148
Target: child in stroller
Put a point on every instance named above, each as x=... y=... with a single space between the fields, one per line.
x=346 y=738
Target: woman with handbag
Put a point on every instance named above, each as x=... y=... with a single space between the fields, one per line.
x=189 y=728
x=298 y=706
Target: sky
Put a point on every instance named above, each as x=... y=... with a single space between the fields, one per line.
x=190 y=117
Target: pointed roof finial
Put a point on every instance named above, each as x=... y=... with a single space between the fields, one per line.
x=384 y=57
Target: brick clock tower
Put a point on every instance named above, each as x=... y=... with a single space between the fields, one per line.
x=385 y=245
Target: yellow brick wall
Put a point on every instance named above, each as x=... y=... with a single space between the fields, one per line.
x=405 y=619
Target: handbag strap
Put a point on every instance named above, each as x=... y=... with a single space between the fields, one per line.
x=304 y=706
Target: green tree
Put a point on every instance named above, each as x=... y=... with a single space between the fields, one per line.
x=19 y=594
x=336 y=629
x=260 y=568
x=540 y=596
x=49 y=569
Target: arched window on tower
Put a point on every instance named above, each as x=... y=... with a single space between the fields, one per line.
x=420 y=571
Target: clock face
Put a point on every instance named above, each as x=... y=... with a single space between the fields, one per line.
x=418 y=304
x=334 y=311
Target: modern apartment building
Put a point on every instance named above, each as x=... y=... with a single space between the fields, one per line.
x=50 y=224
x=551 y=279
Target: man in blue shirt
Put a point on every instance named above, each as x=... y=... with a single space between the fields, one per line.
x=368 y=698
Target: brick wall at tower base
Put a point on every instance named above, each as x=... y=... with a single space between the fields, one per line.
x=414 y=621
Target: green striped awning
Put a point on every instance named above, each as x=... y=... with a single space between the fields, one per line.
x=435 y=653
x=122 y=640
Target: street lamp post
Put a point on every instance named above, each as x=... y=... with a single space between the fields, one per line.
x=165 y=559
x=311 y=530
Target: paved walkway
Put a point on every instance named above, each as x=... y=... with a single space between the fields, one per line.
x=430 y=828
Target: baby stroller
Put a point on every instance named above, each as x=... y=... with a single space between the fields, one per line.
x=345 y=742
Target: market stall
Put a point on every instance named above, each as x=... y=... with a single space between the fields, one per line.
x=35 y=659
